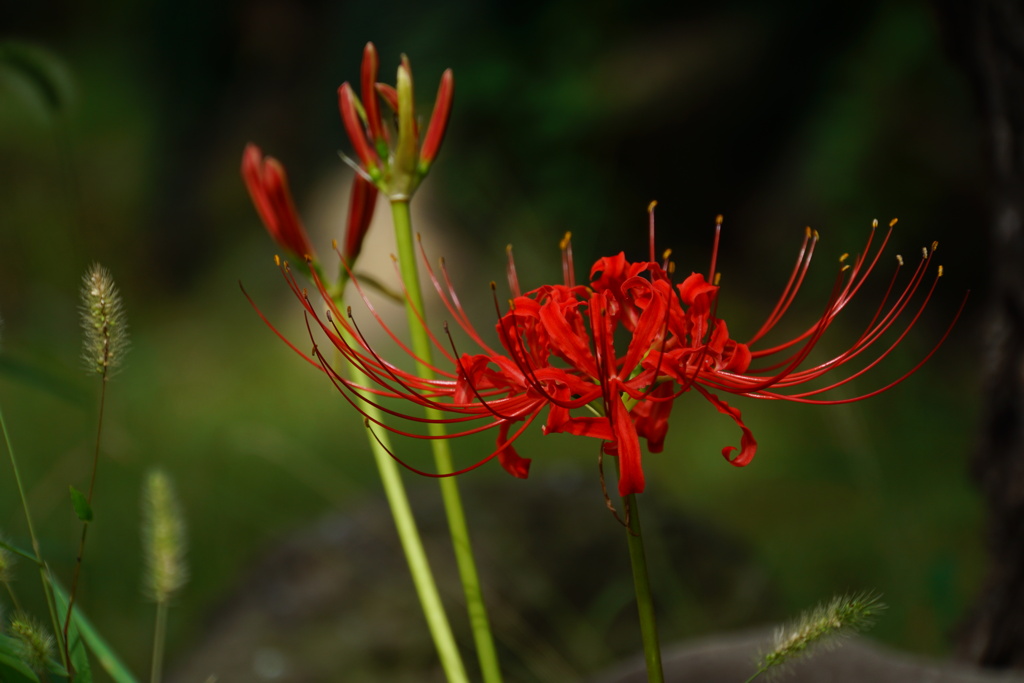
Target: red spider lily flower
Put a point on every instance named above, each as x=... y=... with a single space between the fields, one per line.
x=557 y=354
x=394 y=161
x=267 y=182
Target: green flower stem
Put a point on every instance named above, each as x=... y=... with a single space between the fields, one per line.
x=421 y=345
x=644 y=601
x=44 y=571
x=85 y=524
x=159 y=640
x=412 y=545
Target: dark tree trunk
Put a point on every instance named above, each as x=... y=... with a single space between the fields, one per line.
x=988 y=37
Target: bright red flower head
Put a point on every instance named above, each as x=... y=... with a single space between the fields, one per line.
x=557 y=355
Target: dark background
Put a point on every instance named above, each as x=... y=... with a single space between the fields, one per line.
x=121 y=140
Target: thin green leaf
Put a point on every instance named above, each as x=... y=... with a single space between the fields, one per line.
x=79 y=656
x=104 y=654
x=56 y=668
x=11 y=667
x=82 y=507
x=18 y=551
x=15 y=671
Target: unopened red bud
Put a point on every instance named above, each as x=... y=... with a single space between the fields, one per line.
x=368 y=78
x=362 y=202
x=347 y=103
x=438 y=120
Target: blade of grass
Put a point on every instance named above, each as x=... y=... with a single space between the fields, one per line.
x=104 y=654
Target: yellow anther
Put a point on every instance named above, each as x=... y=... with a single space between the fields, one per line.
x=508 y=248
x=874 y=224
x=816 y=235
x=940 y=271
x=564 y=244
x=808 y=232
x=718 y=278
x=935 y=245
x=664 y=256
x=334 y=244
x=844 y=257
x=277 y=260
x=671 y=267
x=650 y=207
x=924 y=252
x=893 y=222
x=718 y=219
x=844 y=268
x=899 y=259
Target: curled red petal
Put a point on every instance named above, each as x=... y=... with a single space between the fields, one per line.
x=514 y=464
x=748 y=446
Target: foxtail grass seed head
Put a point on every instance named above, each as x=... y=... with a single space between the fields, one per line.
x=103 y=319
x=163 y=537
x=36 y=644
x=822 y=626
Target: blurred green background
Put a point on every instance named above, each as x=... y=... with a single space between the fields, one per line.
x=121 y=131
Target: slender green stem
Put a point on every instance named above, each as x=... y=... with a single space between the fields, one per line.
x=644 y=600
x=412 y=545
x=159 y=639
x=13 y=596
x=459 y=530
x=44 y=572
x=85 y=523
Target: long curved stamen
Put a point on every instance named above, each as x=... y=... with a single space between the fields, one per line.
x=714 y=248
x=801 y=399
x=350 y=392
x=441 y=475
x=568 y=273
x=472 y=385
x=451 y=299
x=650 y=229
x=796 y=278
x=513 y=278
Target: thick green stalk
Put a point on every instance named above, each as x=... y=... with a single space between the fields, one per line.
x=644 y=600
x=44 y=574
x=459 y=530
x=412 y=545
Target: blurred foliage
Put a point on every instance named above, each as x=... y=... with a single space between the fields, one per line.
x=568 y=116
